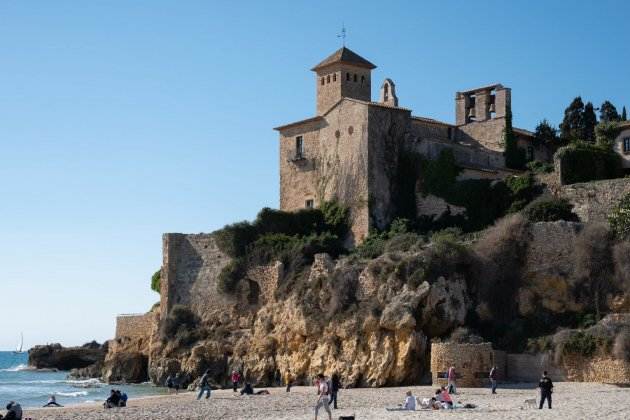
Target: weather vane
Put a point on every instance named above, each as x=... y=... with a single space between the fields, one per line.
x=342 y=35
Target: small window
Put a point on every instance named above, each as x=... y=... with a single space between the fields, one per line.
x=299 y=147
x=362 y=79
x=328 y=79
x=530 y=153
x=626 y=145
x=309 y=204
x=323 y=81
x=355 y=77
x=334 y=77
x=348 y=76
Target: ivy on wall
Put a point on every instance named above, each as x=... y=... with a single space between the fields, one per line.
x=584 y=162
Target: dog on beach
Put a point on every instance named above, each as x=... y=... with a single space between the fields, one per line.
x=529 y=403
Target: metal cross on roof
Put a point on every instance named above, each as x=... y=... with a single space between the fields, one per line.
x=342 y=35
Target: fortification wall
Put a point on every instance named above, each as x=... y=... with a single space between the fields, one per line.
x=135 y=326
x=593 y=201
x=598 y=369
x=190 y=269
x=529 y=367
x=472 y=363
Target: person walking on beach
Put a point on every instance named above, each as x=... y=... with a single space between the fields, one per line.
x=335 y=384
x=235 y=378
x=493 y=379
x=288 y=379
x=323 y=393
x=546 y=389
x=204 y=385
x=451 y=376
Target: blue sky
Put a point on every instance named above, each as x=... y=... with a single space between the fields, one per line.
x=121 y=120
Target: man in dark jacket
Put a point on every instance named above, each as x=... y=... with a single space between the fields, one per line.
x=546 y=388
x=335 y=384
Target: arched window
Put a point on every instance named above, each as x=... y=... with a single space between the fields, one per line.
x=355 y=77
x=334 y=77
x=328 y=79
x=386 y=92
x=322 y=81
x=362 y=79
x=348 y=76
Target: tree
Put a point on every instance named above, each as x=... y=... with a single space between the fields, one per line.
x=514 y=155
x=571 y=128
x=590 y=121
x=624 y=116
x=155 y=281
x=608 y=112
x=606 y=132
x=545 y=134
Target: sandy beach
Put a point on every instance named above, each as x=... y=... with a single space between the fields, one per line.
x=571 y=401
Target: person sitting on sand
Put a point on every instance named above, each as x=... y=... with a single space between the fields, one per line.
x=249 y=390
x=123 y=399
x=14 y=411
x=113 y=400
x=52 y=402
x=408 y=405
x=444 y=397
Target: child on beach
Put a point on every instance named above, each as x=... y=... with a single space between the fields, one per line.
x=409 y=404
x=52 y=402
x=204 y=385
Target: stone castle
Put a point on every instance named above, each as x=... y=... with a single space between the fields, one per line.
x=349 y=151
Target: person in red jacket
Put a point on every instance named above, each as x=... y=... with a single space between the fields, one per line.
x=236 y=378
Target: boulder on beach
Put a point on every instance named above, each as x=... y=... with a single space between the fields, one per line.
x=55 y=356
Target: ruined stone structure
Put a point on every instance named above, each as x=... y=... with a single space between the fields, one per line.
x=593 y=201
x=135 y=326
x=349 y=150
x=472 y=363
x=622 y=144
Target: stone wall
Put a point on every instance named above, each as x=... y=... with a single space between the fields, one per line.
x=472 y=363
x=487 y=133
x=598 y=369
x=593 y=201
x=267 y=277
x=190 y=269
x=529 y=368
x=135 y=326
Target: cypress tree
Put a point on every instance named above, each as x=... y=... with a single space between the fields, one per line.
x=608 y=112
x=514 y=156
x=573 y=122
x=589 y=123
x=624 y=117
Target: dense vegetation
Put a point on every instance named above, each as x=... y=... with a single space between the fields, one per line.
x=583 y=162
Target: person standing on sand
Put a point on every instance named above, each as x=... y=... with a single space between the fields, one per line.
x=236 y=378
x=451 y=376
x=493 y=379
x=204 y=385
x=546 y=388
x=288 y=379
x=322 y=396
x=335 y=384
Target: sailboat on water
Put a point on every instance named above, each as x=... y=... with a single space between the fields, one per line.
x=19 y=349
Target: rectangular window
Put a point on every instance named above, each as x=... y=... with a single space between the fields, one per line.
x=299 y=147
x=309 y=204
x=626 y=145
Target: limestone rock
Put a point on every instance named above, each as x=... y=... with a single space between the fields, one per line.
x=126 y=368
x=55 y=356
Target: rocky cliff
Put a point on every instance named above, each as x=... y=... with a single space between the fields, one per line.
x=88 y=357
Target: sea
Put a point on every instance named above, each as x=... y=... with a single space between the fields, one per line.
x=31 y=388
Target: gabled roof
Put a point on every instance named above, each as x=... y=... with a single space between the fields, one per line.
x=293 y=124
x=346 y=56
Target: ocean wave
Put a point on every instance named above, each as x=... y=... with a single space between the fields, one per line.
x=85 y=383
x=72 y=394
x=16 y=368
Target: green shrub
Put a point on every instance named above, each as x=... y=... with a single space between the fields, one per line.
x=179 y=318
x=235 y=238
x=550 y=210
x=372 y=246
x=580 y=343
x=155 y=281
x=230 y=275
x=539 y=167
x=619 y=218
x=301 y=222
x=440 y=174
x=404 y=242
x=335 y=217
x=584 y=162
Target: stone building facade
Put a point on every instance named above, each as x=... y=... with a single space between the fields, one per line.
x=472 y=363
x=349 y=150
x=135 y=326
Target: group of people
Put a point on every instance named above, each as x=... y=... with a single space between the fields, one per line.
x=327 y=393
x=14 y=412
x=116 y=399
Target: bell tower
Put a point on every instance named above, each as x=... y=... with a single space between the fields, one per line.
x=344 y=74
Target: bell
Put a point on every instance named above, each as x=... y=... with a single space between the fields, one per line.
x=471 y=112
x=492 y=108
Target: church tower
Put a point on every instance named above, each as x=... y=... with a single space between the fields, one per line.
x=344 y=74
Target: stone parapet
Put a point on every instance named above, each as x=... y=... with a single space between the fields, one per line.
x=135 y=326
